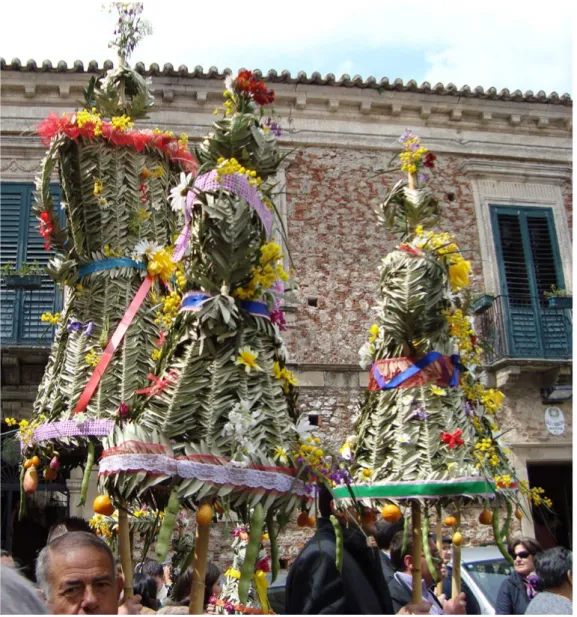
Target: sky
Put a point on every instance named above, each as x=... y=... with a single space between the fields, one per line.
x=506 y=44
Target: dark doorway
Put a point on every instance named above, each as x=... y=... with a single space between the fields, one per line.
x=554 y=528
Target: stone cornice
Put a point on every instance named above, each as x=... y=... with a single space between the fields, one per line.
x=524 y=171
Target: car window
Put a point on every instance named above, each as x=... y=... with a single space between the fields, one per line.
x=488 y=576
x=276 y=598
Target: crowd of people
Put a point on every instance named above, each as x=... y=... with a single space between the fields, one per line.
x=77 y=573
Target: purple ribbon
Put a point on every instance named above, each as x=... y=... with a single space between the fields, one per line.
x=235 y=183
x=70 y=428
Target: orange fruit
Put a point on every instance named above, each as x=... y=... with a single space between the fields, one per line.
x=312 y=521
x=486 y=517
x=35 y=461
x=457 y=538
x=518 y=514
x=204 y=515
x=450 y=521
x=30 y=480
x=103 y=505
x=303 y=519
x=50 y=474
x=28 y=463
x=392 y=513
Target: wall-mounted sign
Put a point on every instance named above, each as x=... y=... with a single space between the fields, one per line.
x=554 y=420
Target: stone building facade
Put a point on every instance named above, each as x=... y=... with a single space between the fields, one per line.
x=495 y=150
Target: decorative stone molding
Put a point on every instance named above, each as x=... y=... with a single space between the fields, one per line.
x=20 y=170
x=301 y=100
x=333 y=105
x=167 y=96
x=396 y=109
x=456 y=114
x=515 y=119
x=365 y=107
x=202 y=96
x=425 y=113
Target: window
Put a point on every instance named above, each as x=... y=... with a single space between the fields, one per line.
x=529 y=265
x=21 y=243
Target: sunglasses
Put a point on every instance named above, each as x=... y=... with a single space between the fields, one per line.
x=522 y=555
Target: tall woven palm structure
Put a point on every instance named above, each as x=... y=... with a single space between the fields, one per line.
x=112 y=257
x=426 y=435
x=219 y=417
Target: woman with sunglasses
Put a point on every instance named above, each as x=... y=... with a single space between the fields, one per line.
x=522 y=585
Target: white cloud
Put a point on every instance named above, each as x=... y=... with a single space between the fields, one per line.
x=509 y=43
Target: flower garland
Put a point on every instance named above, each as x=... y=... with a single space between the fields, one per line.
x=118 y=132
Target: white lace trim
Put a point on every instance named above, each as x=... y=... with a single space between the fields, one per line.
x=214 y=474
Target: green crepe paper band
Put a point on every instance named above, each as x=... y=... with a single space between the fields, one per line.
x=415 y=489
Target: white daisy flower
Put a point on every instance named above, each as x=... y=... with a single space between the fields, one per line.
x=407 y=400
x=178 y=193
x=404 y=438
x=304 y=428
x=144 y=248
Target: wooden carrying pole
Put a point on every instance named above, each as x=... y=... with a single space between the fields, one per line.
x=125 y=554
x=439 y=533
x=417 y=552
x=456 y=579
x=199 y=569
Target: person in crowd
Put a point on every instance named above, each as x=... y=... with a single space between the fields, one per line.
x=154 y=569
x=446 y=555
x=554 y=567
x=401 y=586
x=72 y=523
x=6 y=558
x=77 y=575
x=179 y=598
x=522 y=585
x=384 y=533
x=17 y=594
x=146 y=587
x=315 y=585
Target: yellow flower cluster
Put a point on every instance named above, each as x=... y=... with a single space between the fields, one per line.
x=225 y=167
x=142 y=214
x=50 y=318
x=92 y=358
x=183 y=139
x=504 y=480
x=108 y=251
x=460 y=328
x=26 y=430
x=102 y=525
x=121 y=122
x=180 y=277
x=161 y=264
x=84 y=116
x=491 y=398
x=168 y=311
x=98 y=186
x=265 y=274
x=410 y=158
x=11 y=421
x=284 y=374
x=310 y=453
x=485 y=450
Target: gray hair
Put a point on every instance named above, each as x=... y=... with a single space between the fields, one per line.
x=68 y=541
x=17 y=594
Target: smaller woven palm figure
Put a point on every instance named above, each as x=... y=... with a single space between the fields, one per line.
x=221 y=392
x=425 y=411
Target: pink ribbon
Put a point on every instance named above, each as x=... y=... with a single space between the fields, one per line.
x=184 y=238
x=159 y=385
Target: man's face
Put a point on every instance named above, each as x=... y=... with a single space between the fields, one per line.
x=446 y=552
x=83 y=582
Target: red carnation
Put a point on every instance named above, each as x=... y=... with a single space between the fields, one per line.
x=429 y=161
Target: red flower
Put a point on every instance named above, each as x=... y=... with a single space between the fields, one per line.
x=263 y=564
x=123 y=410
x=474 y=339
x=452 y=439
x=429 y=161
x=409 y=249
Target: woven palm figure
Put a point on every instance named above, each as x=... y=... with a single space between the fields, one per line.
x=115 y=250
x=221 y=406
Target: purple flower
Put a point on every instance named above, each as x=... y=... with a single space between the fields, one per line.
x=74 y=325
x=420 y=414
x=238 y=530
x=406 y=135
x=229 y=607
x=88 y=329
x=277 y=317
x=470 y=409
x=423 y=177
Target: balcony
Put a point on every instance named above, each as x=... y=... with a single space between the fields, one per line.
x=526 y=329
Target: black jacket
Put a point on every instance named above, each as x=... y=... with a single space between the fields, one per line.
x=512 y=598
x=388 y=570
x=315 y=587
x=401 y=594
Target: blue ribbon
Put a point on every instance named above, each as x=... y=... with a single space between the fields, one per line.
x=258 y=309
x=193 y=299
x=415 y=368
x=108 y=264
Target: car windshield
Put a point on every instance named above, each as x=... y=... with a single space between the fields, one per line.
x=488 y=576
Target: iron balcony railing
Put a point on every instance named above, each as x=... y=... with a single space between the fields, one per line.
x=525 y=327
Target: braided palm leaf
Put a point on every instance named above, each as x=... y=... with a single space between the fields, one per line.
x=238 y=136
x=100 y=224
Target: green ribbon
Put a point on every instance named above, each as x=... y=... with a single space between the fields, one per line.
x=409 y=489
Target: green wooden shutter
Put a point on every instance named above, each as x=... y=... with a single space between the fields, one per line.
x=21 y=242
x=529 y=264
